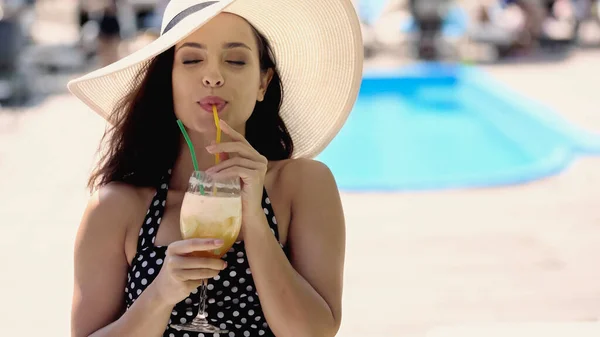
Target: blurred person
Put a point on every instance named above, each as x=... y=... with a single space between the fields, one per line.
x=109 y=37
x=587 y=26
x=429 y=15
x=534 y=13
x=103 y=14
x=15 y=86
x=560 y=21
x=498 y=25
x=512 y=27
x=283 y=276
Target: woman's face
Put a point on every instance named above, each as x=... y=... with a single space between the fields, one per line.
x=218 y=65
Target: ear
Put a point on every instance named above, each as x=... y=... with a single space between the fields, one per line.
x=265 y=79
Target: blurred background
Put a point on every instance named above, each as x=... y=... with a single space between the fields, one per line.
x=469 y=168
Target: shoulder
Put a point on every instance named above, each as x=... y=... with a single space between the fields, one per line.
x=300 y=170
x=116 y=197
x=113 y=206
x=302 y=177
x=315 y=205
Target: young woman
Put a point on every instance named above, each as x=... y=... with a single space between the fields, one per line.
x=284 y=76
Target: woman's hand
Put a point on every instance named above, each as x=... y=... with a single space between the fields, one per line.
x=181 y=274
x=247 y=164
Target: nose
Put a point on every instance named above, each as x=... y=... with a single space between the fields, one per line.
x=213 y=78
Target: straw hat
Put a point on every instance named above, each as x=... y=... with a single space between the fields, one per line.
x=317 y=45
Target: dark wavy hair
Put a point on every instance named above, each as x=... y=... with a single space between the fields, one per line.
x=144 y=140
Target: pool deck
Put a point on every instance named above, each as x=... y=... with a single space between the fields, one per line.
x=416 y=262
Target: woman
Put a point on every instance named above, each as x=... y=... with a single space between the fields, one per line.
x=132 y=277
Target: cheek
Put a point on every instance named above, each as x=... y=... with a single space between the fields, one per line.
x=250 y=90
x=184 y=93
x=243 y=93
x=180 y=87
x=248 y=102
x=181 y=90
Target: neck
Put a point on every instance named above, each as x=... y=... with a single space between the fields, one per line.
x=184 y=165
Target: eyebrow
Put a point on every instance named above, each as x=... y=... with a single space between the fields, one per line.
x=228 y=45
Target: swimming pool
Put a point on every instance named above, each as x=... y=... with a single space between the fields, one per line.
x=435 y=126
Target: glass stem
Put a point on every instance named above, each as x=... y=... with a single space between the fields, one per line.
x=203 y=294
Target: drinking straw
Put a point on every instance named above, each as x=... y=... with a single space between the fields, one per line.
x=218 y=125
x=192 y=151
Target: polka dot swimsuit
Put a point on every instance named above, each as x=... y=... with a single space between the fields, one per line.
x=233 y=302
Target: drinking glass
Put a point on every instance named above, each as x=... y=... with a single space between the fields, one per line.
x=211 y=209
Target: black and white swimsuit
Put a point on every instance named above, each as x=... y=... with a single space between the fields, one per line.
x=232 y=303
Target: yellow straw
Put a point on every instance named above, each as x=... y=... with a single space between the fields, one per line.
x=216 y=116
x=217 y=157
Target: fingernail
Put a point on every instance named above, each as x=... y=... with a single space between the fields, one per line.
x=210 y=148
x=225 y=266
x=218 y=242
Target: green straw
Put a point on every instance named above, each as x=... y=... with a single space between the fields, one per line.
x=192 y=151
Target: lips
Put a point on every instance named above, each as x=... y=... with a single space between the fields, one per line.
x=207 y=103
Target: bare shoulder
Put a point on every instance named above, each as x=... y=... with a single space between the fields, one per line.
x=112 y=208
x=302 y=178
x=115 y=193
x=304 y=174
x=116 y=199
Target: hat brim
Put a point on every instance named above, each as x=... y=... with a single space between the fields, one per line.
x=317 y=46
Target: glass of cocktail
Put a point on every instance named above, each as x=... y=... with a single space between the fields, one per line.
x=211 y=209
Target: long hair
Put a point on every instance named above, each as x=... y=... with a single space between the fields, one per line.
x=144 y=139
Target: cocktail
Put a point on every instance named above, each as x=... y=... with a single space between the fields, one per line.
x=211 y=209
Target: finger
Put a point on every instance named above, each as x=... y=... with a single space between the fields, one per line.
x=228 y=130
x=190 y=262
x=243 y=150
x=237 y=161
x=223 y=156
x=192 y=245
x=235 y=172
x=193 y=284
x=195 y=274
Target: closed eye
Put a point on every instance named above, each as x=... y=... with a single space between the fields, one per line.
x=238 y=63
x=192 y=61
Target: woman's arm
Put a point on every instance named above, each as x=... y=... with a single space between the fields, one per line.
x=303 y=296
x=101 y=272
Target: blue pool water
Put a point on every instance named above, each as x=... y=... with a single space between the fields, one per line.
x=432 y=126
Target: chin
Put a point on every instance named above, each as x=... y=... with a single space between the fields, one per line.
x=204 y=126
x=199 y=123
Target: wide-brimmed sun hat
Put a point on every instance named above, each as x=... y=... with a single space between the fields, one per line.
x=317 y=46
